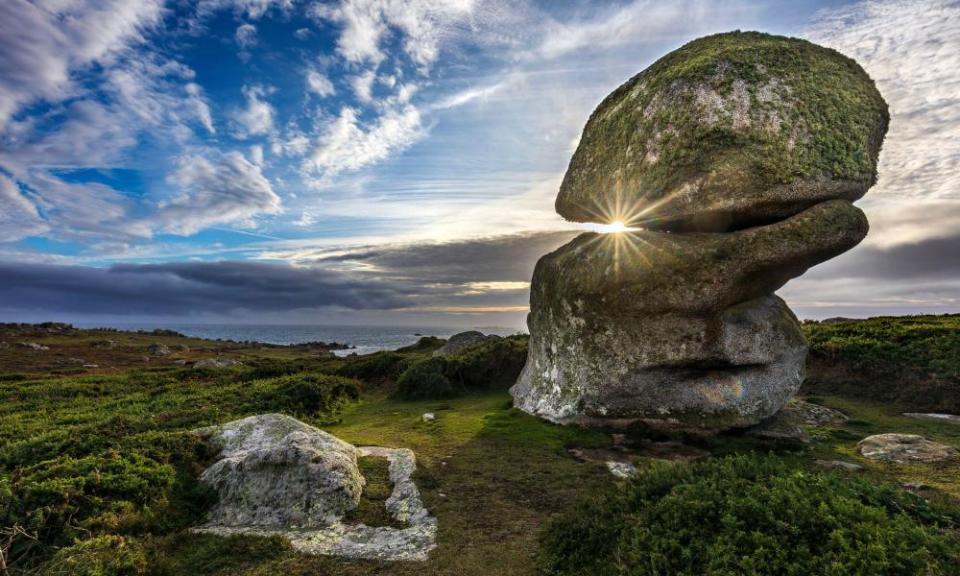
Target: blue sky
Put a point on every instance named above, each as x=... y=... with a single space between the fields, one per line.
x=391 y=147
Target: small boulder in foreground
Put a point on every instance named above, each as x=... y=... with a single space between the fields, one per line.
x=275 y=471
x=904 y=448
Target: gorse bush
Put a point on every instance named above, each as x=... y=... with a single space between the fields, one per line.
x=752 y=515
x=910 y=360
x=375 y=367
x=428 y=378
x=494 y=364
x=307 y=394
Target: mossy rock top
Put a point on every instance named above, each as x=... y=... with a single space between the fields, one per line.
x=728 y=131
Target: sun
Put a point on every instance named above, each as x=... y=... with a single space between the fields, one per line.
x=616 y=227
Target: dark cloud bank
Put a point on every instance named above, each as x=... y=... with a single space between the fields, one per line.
x=922 y=276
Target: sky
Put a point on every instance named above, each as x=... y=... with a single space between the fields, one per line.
x=396 y=161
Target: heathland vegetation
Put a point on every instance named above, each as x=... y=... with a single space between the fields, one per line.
x=99 y=468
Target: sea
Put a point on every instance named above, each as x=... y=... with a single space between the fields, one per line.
x=362 y=339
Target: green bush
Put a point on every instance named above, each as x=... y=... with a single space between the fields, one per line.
x=909 y=360
x=752 y=515
x=427 y=378
x=308 y=394
x=375 y=367
x=493 y=364
x=100 y=556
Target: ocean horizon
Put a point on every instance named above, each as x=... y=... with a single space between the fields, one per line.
x=363 y=339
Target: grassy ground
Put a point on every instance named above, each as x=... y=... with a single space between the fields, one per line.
x=109 y=454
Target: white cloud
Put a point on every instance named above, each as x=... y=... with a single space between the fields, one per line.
x=641 y=21
x=362 y=85
x=481 y=93
x=246 y=36
x=253 y=9
x=302 y=33
x=18 y=216
x=366 y=23
x=42 y=45
x=911 y=48
x=319 y=84
x=215 y=188
x=257 y=118
x=345 y=144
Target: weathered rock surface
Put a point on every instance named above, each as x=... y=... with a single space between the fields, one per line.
x=462 y=341
x=158 y=350
x=215 y=363
x=904 y=448
x=731 y=130
x=748 y=160
x=276 y=471
x=280 y=477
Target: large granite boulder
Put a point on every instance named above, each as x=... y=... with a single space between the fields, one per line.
x=729 y=131
x=275 y=471
x=741 y=167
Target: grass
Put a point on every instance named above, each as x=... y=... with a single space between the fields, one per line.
x=101 y=465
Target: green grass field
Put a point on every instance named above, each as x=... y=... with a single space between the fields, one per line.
x=98 y=469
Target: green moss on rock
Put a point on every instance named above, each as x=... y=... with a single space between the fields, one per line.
x=729 y=130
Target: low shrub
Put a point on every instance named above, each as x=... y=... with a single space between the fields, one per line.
x=100 y=556
x=427 y=378
x=752 y=515
x=308 y=394
x=493 y=364
x=375 y=368
x=424 y=345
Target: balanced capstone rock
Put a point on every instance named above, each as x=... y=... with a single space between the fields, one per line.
x=740 y=155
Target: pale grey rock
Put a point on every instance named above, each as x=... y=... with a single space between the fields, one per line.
x=91 y=365
x=904 y=448
x=811 y=414
x=669 y=371
x=839 y=465
x=621 y=469
x=952 y=418
x=158 y=350
x=411 y=543
x=462 y=341
x=428 y=417
x=34 y=346
x=275 y=471
x=216 y=363
x=104 y=344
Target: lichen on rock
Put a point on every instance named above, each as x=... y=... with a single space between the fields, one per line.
x=738 y=156
x=277 y=476
x=729 y=130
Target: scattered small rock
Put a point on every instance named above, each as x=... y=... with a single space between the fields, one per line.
x=34 y=346
x=903 y=448
x=180 y=362
x=181 y=348
x=934 y=416
x=158 y=350
x=839 y=465
x=915 y=486
x=104 y=344
x=91 y=365
x=621 y=469
x=215 y=363
x=428 y=417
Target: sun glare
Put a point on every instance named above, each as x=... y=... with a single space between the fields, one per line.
x=611 y=228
